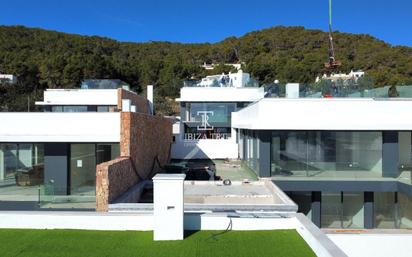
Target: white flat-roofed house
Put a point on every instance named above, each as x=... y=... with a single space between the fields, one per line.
x=344 y=161
x=205 y=119
x=53 y=154
x=61 y=100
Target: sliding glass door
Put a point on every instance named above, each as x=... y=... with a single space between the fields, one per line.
x=82 y=169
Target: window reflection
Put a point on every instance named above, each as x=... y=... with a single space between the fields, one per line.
x=21 y=171
x=208 y=120
x=326 y=153
x=83 y=160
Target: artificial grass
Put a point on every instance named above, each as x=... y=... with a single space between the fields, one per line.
x=61 y=243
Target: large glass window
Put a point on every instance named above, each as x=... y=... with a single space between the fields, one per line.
x=58 y=108
x=342 y=210
x=69 y=108
x=107 y=152
x=10 y=162
x=83 y=160
x=82 y=168
x=405 y=211
x=22 y=176
x=103 y=108
x=326 y=154
x=219 y=113
x=21 y=171
x=352 y=210
x=80 y=108
x=208 y=120
x=252 y=150
x=384 y=210
x=331 y=210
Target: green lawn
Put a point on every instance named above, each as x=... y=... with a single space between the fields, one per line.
x=43 y=243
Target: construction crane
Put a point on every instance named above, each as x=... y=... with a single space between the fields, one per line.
x=332 y=64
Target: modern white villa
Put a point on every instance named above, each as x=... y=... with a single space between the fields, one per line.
x=345 y=161
x=205 y=130
x=48 y=159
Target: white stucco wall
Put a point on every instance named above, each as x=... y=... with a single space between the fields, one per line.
x=220 y=94
x=326 y=114
x=60 y=127
x=376 y=245
x=79 y=97
x=205 y=149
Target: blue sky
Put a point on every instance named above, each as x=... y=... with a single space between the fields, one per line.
x=208 y=20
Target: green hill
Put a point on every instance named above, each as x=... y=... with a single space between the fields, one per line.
x=48 y=59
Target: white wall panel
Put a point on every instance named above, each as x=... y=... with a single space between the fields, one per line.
x=326 y=114
x=60 y=127
x=79 y=97
x=220 y=94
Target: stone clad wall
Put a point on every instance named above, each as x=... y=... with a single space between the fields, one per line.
x=145 y=144
x=113 y=178
x=141 y=103
x=150 y=140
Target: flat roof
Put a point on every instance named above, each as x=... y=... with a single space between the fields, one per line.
x=79 y=97
x=361 y=114
x=248 y=196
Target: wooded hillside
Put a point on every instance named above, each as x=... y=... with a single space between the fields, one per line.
x=48 y=59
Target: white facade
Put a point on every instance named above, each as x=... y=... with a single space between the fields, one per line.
x=325 y=114
x=45 y=127
x=218 y=94
x=378 y=245
x=205 y=148
x=235 y=90
x=60 y=127
x=79 y=97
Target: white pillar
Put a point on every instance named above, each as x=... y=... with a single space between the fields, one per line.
x=126 y=105
x=168 y=207
x=2 y=163
x=150 y=98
